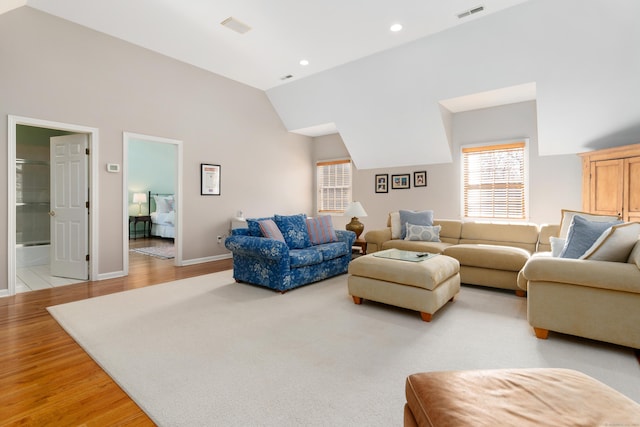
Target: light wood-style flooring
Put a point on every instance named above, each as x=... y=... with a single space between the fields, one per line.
x=46 y=379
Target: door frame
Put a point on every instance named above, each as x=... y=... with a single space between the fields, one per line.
x=13 y=122
x=126 y=138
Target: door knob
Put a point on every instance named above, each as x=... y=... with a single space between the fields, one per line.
x=52 y=213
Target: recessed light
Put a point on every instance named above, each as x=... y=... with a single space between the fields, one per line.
x=395 y=28
x=304 y=62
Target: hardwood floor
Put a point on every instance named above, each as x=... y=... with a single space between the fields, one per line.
x=46 y=378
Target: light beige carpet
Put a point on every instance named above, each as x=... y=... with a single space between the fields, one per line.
x=207 y=351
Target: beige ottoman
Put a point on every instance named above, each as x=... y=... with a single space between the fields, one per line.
x=423 y=286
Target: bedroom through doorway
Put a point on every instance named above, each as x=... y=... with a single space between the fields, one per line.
x=152 y=201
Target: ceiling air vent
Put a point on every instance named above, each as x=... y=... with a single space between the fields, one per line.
x=235 y=25
x=470 y=12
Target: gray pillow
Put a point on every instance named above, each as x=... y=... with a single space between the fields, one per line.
x=415 y=218
x=582 y=235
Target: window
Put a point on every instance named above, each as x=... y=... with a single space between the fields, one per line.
x=494 y=181
x=334 y=185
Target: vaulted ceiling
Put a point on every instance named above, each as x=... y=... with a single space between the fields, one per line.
x=392 y=95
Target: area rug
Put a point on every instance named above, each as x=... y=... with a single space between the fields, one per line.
x=209 y=351
x=164 y=252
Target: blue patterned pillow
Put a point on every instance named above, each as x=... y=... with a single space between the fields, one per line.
x=270 y=230
x=253 y=224
x=415 y=218
x=294 y=230
x=321 y=230
x=582 y=235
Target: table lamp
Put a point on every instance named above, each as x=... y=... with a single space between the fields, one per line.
x=355 y=210
x=139 y=198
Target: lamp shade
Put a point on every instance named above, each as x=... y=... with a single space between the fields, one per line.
x=139 y=198
x=355 y=209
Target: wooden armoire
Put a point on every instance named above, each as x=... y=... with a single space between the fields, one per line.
x=611 y=182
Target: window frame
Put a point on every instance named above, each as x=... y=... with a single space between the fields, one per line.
x=347 y=199
x=496 y=145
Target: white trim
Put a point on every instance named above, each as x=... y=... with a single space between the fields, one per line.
x=126 y=137
x=206 y=259
x=93 y=133
x=111 y=275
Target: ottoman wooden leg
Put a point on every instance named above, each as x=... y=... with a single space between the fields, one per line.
x=426 y=316
x=356 y=300
x=541 y=333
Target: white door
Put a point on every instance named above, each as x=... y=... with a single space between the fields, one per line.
x=69 y=211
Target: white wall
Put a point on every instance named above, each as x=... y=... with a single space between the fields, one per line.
x=554 y=181
x=55 y=70
x=583 y=56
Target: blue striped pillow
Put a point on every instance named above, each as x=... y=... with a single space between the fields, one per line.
x=270 y=230
x=321 y=230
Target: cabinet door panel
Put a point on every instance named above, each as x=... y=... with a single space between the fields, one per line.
x=632 y=189
x=607 y=186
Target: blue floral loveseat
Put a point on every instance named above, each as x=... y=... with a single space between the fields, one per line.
x=285 y=252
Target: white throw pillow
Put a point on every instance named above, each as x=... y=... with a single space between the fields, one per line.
x=396 y=226
x=425 y=233
x=567 y=218
x=557 y=244
x=615 y=243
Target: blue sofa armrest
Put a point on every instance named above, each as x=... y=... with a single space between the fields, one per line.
x=346 y=236
x=260 y=247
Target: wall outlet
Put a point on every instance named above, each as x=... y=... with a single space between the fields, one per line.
x=219 y=239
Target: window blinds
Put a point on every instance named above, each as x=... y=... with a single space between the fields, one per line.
x=494 y=181
x=334 y=185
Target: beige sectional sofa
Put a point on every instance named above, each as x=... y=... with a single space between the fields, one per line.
x=587 y=298
x=490 y=254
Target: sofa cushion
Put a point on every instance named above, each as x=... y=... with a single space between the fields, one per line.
x=321 y=230
x=414 y=217
x=333 y=250
x=567 y=218
x=270 y=230
x=634 y=257
x=615 y=244
x=302 y=257
x=582 y=234
x=396 y=225
x=494 y=257
x=253 y=225
x=423 y=233
x=294 y=230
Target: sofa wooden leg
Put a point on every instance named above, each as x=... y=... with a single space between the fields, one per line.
x=541 y=333
x=453 y=298
x=521 y=293
x=426 y=316
x=356 y=300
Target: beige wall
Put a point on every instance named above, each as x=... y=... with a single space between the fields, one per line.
x=554 y=181
x=55 y=70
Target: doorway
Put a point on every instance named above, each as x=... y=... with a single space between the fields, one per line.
x=24 y=203
x=152 y=170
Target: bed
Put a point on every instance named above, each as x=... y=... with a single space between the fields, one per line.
x=163 y=215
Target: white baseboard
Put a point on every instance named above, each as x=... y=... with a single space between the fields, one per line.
x=206 y=259
x=111 y=275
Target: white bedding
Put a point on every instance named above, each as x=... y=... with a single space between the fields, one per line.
x=163 y=220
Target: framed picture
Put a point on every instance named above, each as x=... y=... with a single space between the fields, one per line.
x=402 y=181
x=209 y=180
x=420 y=179
x=382 y=183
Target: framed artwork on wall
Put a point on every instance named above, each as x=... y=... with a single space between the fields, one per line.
x=209 y=180
x=402 y=181
x=420 y=179
x=382 y=183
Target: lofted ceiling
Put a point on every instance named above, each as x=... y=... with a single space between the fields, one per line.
x=326 y=33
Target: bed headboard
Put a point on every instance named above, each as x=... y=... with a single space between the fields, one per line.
x=152 y=201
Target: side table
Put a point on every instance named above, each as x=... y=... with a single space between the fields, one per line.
x=361 y=244
x=135 y=219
